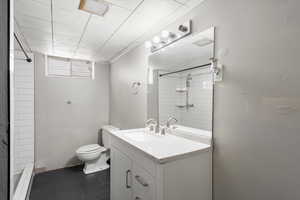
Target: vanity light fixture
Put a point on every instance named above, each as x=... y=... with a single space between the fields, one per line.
x=167 y=37
x=165 y=34
x=97 y=7
x=148 y=44
x=156 y=39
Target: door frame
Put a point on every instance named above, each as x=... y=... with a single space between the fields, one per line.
x=5 y=52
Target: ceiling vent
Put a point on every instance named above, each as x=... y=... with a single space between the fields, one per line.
x=97 y=7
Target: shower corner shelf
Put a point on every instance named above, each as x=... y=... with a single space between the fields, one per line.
x=180 y=106
x=181 y=90
x=185 y=106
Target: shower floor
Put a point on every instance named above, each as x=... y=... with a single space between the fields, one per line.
x=71 y=183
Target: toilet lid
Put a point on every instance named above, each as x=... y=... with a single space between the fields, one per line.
x=90 y=148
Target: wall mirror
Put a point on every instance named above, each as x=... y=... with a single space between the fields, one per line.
x=180 y=82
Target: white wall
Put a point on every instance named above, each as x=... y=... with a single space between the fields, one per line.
x=126 y=109
x=256 y=107
x=60 y=127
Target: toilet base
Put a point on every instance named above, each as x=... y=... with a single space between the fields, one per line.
x=95 y=165
x=93 y=169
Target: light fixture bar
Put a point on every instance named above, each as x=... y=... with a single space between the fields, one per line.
x=167 y=38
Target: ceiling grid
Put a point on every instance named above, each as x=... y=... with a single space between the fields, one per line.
x=59 y=28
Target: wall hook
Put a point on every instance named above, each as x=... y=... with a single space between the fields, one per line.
x=135 y=86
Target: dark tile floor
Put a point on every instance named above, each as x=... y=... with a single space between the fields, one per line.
x=71 y=183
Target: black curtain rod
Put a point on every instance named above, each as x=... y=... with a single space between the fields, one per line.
x=186 y=69
x=28 y=59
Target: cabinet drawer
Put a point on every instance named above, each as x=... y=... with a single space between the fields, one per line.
x=142 y=183
x=135 y=155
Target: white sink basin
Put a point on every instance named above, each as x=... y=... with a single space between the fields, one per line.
x=160 y=148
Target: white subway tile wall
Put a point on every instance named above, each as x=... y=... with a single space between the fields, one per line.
x=24 y=115
x=200 y=95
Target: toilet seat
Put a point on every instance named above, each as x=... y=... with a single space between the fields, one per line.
x=91 y=148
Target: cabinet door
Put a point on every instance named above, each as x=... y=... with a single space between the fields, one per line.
x=143 y=184
x=120 y=176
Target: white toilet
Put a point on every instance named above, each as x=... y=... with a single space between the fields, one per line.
x=95 y=156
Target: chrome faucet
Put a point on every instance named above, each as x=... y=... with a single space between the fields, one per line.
x=170 y=120
x=153 y=125
x=165 y=128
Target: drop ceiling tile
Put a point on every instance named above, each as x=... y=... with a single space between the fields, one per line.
x=99 y=28
x=33 y=23
x=35 y=42
x=74 y=19
x=70 y=5
x=66 y=39
x=33 y=34
x=63 y=4
x=83 y=51
x=141 y=21
x=111 y=50
x=128 y=4
x=42 y=49
x=40 y=45
x=182 y=1
x=64 y=43
x=67 y=29
x=193 y=3
x=32 y=9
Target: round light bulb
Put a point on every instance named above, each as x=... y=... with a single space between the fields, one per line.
x=156 y=39
x=165 y=34
x=148 y=44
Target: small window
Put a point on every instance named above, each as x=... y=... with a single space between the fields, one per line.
x=66 y=67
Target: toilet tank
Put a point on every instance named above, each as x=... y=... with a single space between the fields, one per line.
x=105 y=133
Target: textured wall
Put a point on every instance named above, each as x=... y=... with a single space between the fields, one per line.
x=256 y=107
x=126 y=109
x=61 y=128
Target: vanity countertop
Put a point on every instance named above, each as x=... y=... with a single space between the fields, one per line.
x=161 y=149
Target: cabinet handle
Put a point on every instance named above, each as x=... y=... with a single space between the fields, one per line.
x=139 y=179
x=127 y=173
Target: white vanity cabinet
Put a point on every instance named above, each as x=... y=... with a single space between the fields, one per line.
x=136 y=175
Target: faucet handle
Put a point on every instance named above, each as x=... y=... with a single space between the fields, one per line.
x=152 y=124
x=163 y=130
x=171 y=119
x=150 y=121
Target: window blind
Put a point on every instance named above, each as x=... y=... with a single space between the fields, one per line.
x=66 y=67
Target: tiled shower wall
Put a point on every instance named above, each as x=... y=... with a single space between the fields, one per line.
x=24 y=114
x=200 y=94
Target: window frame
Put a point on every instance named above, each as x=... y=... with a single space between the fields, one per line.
x=91 y=76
